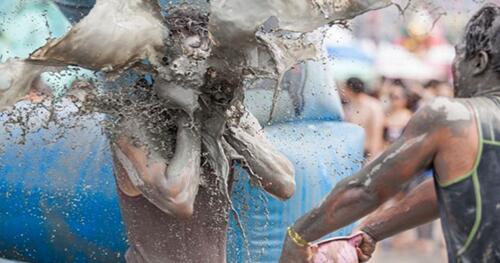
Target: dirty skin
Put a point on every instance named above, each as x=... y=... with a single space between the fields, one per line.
x=359 y=195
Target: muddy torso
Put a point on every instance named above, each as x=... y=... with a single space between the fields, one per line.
x=470 y=206
x=154 y=236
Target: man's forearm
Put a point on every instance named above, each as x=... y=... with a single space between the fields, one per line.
x=417 y=207
x=359 y=195
x=344 y=205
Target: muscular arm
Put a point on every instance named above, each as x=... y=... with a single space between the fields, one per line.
x=274 y=171
x=437 y=134
x=361 y=194
x=171 y=188
x=418 y=207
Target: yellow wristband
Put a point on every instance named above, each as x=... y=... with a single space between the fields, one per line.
x=296 y=238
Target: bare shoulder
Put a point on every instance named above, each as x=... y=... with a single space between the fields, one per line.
x=451 y=109
x=442 y=113
x=372 y=102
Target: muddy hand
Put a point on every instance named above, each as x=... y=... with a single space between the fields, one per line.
x=172 y=185
x=366 y=248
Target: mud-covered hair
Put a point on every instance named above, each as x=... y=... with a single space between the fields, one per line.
x=186 y=20
x=482 y=34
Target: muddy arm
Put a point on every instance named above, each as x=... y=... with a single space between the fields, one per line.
x=171 y=188
x=274 y=171
x=418 y=207
x=357 y=196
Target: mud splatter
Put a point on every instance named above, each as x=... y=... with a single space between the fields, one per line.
x=200 y=65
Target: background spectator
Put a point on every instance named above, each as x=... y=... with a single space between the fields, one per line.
x=365 y=111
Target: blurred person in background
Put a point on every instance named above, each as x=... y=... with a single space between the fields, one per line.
x=398 y=114
x=428 y=92
x=381 y=91
x=444 y=89
x=365 y=111
x=433 y=89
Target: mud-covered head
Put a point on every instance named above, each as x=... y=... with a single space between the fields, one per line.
x=476 y=68
x=185 y=61
x=189 y=31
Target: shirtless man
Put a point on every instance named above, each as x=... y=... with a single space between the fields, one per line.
x=180 y=214
x=457 y=138
x=166 y=220
x=365 y=111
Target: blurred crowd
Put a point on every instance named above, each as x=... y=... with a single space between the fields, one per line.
x=385 y=78
x=383 y=82
x=385 y=110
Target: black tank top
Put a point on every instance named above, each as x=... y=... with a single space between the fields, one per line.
x=470 y=206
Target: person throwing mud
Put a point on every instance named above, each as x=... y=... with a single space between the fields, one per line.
x=455 y=137
x=174 y=201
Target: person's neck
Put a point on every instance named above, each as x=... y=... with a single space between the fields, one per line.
x=491 y=91
x=487 y=85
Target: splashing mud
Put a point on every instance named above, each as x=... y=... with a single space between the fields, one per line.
x=200 y=65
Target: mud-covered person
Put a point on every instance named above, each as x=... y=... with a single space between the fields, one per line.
x=175 y=206
x=172 y=202
x=458 y=138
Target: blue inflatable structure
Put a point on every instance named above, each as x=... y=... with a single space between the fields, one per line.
x=59 y=200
